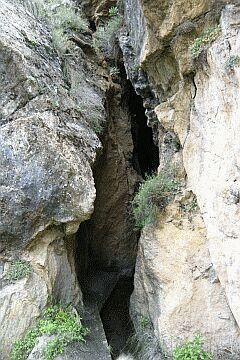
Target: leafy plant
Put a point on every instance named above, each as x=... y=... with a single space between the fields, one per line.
x=114 y=71
x=64 y=19
x=154 y=194
x=18 y=269
x=232 y=61
x=113 y=11
x=62 y=322
x=105 y=35
x=192 y=350
x=190 y=207
x=144 y=322
x=200 y=43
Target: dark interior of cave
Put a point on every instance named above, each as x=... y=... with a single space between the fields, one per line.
x=107 y=288
x=145 y=152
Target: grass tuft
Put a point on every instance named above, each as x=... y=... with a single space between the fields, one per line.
x=154 y=194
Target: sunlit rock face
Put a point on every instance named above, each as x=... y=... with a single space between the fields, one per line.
x=197 y=105
x=47 y=149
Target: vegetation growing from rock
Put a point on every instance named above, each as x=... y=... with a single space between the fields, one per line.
x=63 y=19
x=190 y=206
x=192 y=350
x=59 y=321
x=105 y=36
x=154 y=194
x=231 y=62
x=200 y=43
x=18 y=269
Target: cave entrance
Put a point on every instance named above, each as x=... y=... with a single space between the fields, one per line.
x=107 y=290
x=145 y=151
x=107 y=243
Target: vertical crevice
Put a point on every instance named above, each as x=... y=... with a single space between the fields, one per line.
x=145 y=157
x=107 y=243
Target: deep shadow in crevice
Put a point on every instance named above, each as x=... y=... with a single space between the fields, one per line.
x=145 y=152
x=115 y=316
x=109 y=287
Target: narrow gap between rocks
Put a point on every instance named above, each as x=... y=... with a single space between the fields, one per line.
x=145 y=152
x=106 y=278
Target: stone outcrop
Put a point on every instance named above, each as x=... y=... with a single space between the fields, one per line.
x=51 y=106
x=198 y=115
x=46 y=153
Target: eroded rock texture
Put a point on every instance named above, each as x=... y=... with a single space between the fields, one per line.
x=198 y=116
x=47 y=149
x=187 y=272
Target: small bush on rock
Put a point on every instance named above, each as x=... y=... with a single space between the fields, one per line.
x=231 y=62
x=200 y=43
x=154 y=194
x=192 y=350
x=105 y=36
x=63 y=18
x=62 y=322
x=18 y=269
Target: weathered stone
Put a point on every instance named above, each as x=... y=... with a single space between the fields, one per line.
x=175 y=286
x=46 y=153
x=201 y=111
x=211 y=154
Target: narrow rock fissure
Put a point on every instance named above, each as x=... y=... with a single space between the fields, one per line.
x=145 y=152
x=107 y=243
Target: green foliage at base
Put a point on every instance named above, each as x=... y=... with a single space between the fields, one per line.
x=206 y=38
x=192 y=350
x=62 y=322
x=154 y=194
x=18 y=269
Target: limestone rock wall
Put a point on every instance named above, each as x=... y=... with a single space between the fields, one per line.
x=197 y=108
x=47 y=149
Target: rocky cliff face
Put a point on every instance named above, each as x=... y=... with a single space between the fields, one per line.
x=47 y=150
x=197 y=106
x=52 y=104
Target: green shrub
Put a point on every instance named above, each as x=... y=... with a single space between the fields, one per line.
x=105 y=36
x=190 y=206
x=206 y=38
x=154 y=194
x=61 y=321
x=113 y=11
x=192 y=350
x=232 y=61
x=64 y=19
x=18 y=269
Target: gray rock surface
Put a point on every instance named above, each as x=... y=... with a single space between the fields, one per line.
x=47 y=148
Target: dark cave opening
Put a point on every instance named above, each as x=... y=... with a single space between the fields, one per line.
x=145 y=152
x=115 y=316
x=106 y=288
x=102 y=282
